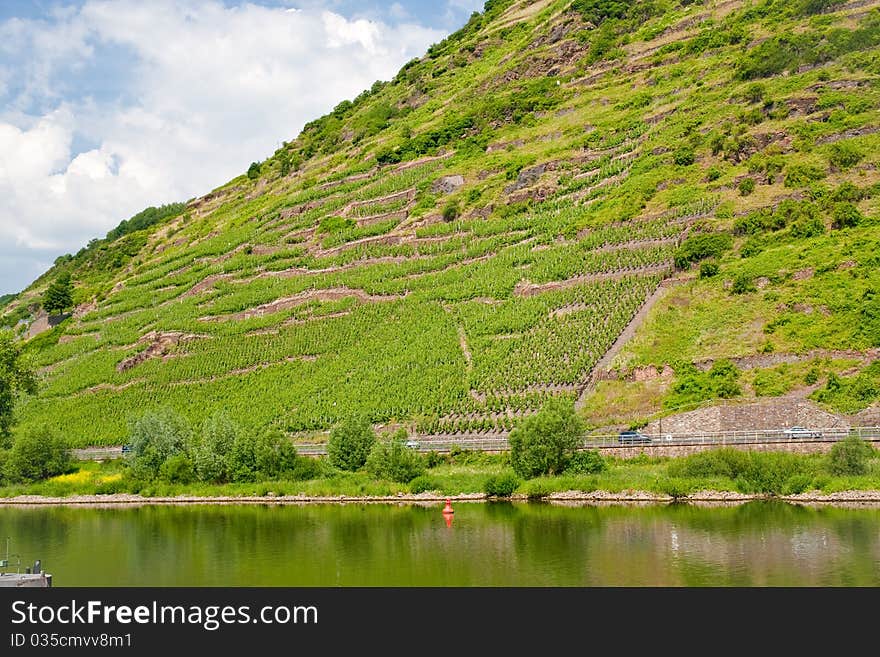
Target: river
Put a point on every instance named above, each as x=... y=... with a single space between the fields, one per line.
x=492 y=544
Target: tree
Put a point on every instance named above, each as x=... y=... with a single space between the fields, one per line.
x=544 y=442
x=36 y=454
x=264 y=456
x=156 y=437
x=59 y=294
x=350 y=443
x=253 y=171
x=211 y=453
x=16 y=379
x=850 y=456
x=392 y=459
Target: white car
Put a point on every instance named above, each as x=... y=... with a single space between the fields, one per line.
x=801 y=432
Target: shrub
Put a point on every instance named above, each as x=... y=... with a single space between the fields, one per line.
x=253 y=171
x=392 y=459
x=334 y=224
x=701 y=246
x=36 y=454
x=844 y=155
x=266 y=455
x=801 y=175
x=845 y=215
x=156 y=437
x=683 y=156
x=850 y=457
x=450 y=212
x=588 y=461
x=753 y=472
x=708 y=269
x=502 y=485
x=210 y=455
x=771 y=472
x=422 y=483
x=725 y=462
x=675 y=488
x=746 y=186
x=544 y=442
x=350 y=443
x=177 y=469
x=742 y=284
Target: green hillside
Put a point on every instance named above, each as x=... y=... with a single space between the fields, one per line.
x=454 y=246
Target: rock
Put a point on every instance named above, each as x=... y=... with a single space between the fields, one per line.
x=447 y=184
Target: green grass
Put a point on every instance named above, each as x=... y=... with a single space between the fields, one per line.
x=467 y=473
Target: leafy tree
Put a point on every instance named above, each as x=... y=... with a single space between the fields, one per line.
x=850 y=457
x=59 y=294
x=253 y=171
x=392 y=459
x=350 y=443
x=16 y=379
x=36 y=454
x=262 y=456
x=544 y=442
x=211 y=453
x=156 y=437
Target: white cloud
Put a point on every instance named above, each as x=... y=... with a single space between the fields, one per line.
x=209 y=89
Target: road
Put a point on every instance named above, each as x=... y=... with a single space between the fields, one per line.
x=498 y=442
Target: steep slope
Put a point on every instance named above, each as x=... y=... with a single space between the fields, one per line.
x=456 y=245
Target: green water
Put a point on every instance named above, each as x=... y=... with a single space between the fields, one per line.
x=755 y=544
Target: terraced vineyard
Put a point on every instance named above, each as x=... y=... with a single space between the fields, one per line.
x=460 y=243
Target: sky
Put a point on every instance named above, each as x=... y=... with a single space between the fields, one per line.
x=110 y=106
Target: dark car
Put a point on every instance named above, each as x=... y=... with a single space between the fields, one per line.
x=633 y=437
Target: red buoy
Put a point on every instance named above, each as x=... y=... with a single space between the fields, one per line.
x=448 y=507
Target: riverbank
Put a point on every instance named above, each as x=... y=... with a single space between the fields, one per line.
x=848 y=497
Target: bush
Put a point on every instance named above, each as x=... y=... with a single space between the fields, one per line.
x=708 y=269
x=753 y=472
x=544 y=442
x=850 y=457
x=746 y=186
x=178 y=469
x=502 y=485
x=156 y=437
x=350 y=443
x=391 y=459
x=36 y=454
x=801 y=175
x=846 y=215
x=262 y=456
x=334 y=224
x=422 y=484
x=684 y=156
x=844 y=155
x=450 y=212
x=771 y=472
x=588 y=461
x=253 y=171
x=210 y=455
x=742 y=284
x=701 y=246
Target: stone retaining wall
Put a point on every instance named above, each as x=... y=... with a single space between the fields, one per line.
x=761 y=416
x=812 y=447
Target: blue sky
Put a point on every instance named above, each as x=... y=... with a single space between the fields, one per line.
x=110 y=106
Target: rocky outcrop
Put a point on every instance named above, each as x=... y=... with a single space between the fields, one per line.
x=447 y=184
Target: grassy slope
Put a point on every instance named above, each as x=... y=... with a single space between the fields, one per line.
x=407 y=316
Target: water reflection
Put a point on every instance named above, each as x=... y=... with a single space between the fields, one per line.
x=498 y=544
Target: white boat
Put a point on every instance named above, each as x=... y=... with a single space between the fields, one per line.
x=32 y=577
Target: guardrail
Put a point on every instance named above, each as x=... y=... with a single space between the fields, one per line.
x=499 y=443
